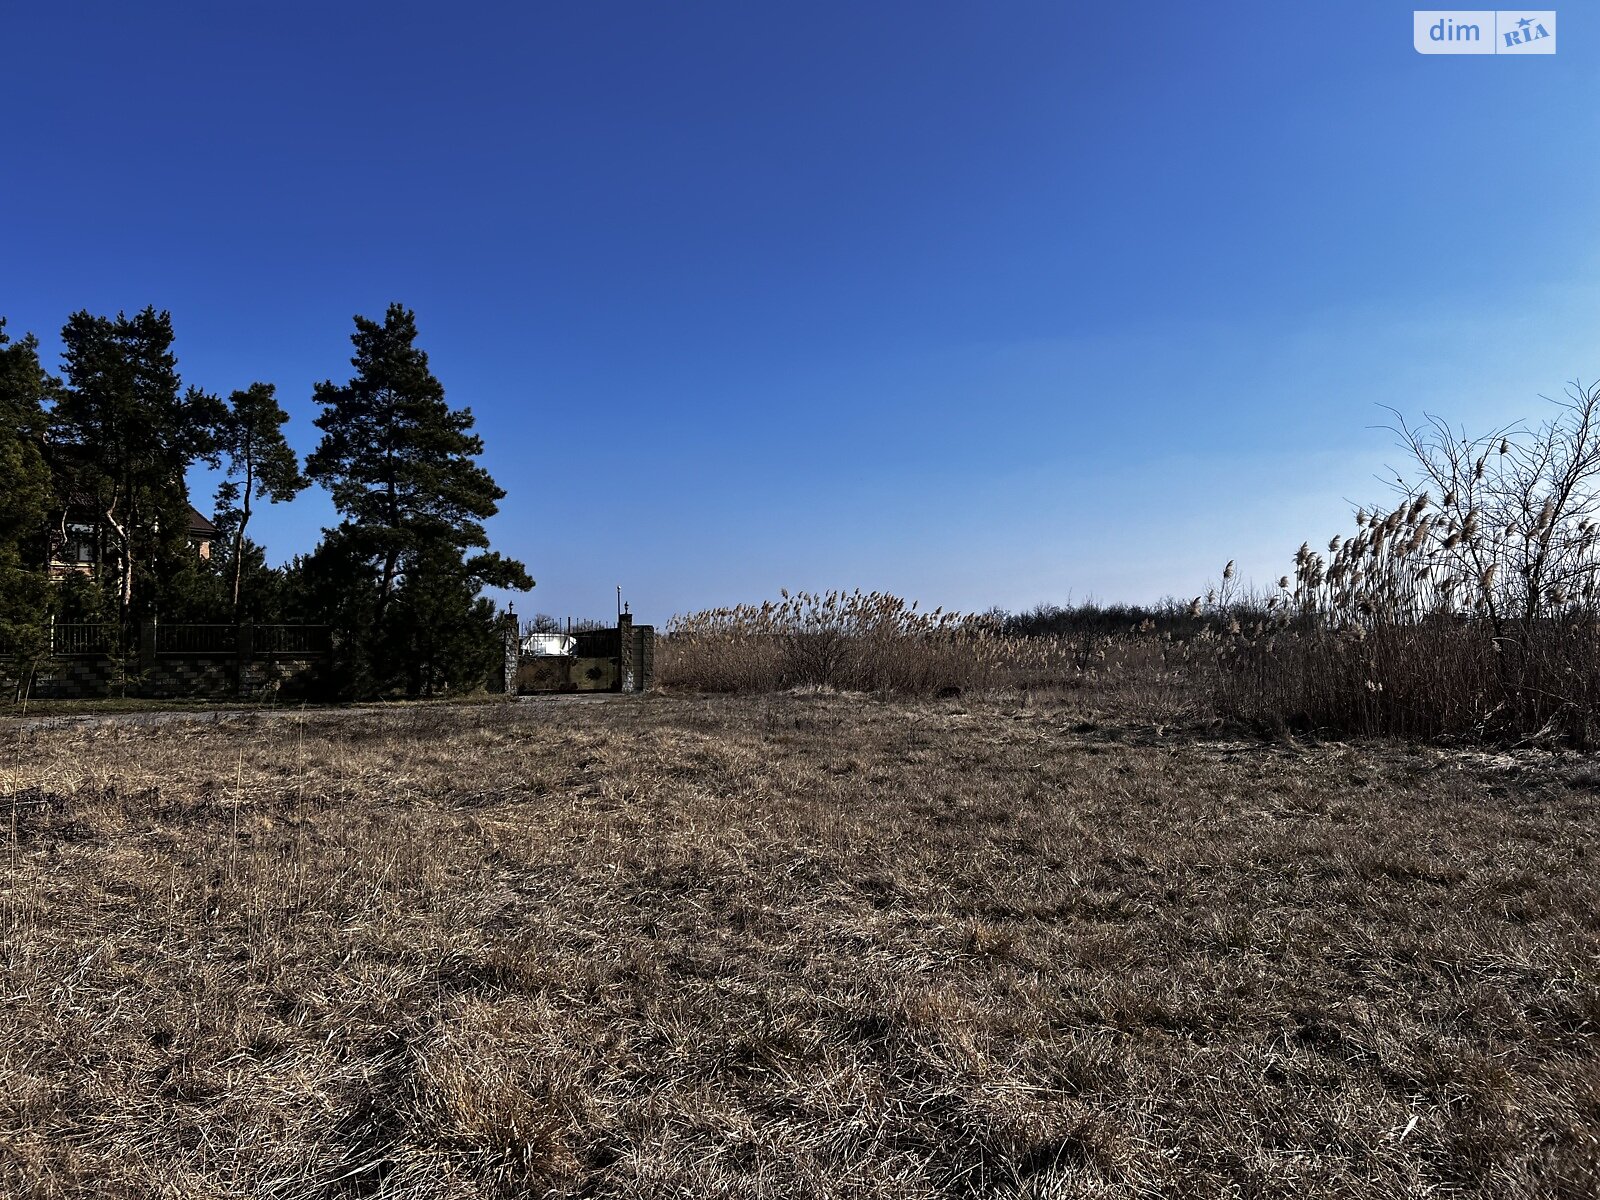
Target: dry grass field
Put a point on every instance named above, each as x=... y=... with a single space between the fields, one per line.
x=790 y=946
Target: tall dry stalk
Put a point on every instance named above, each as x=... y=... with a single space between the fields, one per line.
x=1468 y=607
x=876 y=642
x=856 y=641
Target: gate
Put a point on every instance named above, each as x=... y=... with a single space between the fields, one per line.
x=597 y=661
x=619 y=659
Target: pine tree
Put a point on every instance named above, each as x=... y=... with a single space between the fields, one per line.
x=126 y=433
x=399 y=464
x=25 y=498
x=261 y=466
x=441 y=629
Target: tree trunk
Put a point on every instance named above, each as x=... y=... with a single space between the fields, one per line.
x=238 y=534
x=125 y=567
x=391 y=562
x=391 y=556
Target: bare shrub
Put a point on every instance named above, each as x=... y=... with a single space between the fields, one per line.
x=1469 y=608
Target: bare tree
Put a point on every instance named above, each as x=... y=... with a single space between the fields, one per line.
x=1514 y=537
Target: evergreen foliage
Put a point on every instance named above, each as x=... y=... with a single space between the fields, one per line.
x=260 y=466
x=25 y=498
x=95 y=520
x=127 y=432
x=405 y=566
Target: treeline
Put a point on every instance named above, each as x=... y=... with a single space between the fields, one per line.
x=96 y=522
x=1090 y=619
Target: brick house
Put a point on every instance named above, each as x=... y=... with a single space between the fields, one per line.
x=75 y=542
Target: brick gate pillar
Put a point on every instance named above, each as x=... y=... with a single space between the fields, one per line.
x=513 y=653
x=626 y=670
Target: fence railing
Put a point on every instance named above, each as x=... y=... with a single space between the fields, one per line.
x=84 y=638
x=289 y=639
x=197 y=639
x=87 y=638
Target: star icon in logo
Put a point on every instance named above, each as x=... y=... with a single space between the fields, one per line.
x=1525 y=22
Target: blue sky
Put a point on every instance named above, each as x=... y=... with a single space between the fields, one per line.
x=979 y=303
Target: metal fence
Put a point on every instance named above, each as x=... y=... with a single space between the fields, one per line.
x=84 y=638
x=197 y=639
x=290 y=639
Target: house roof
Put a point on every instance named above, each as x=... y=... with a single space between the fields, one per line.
x=199 y=526
x=69 y=456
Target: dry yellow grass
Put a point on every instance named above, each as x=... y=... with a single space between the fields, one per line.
x=789 y=946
